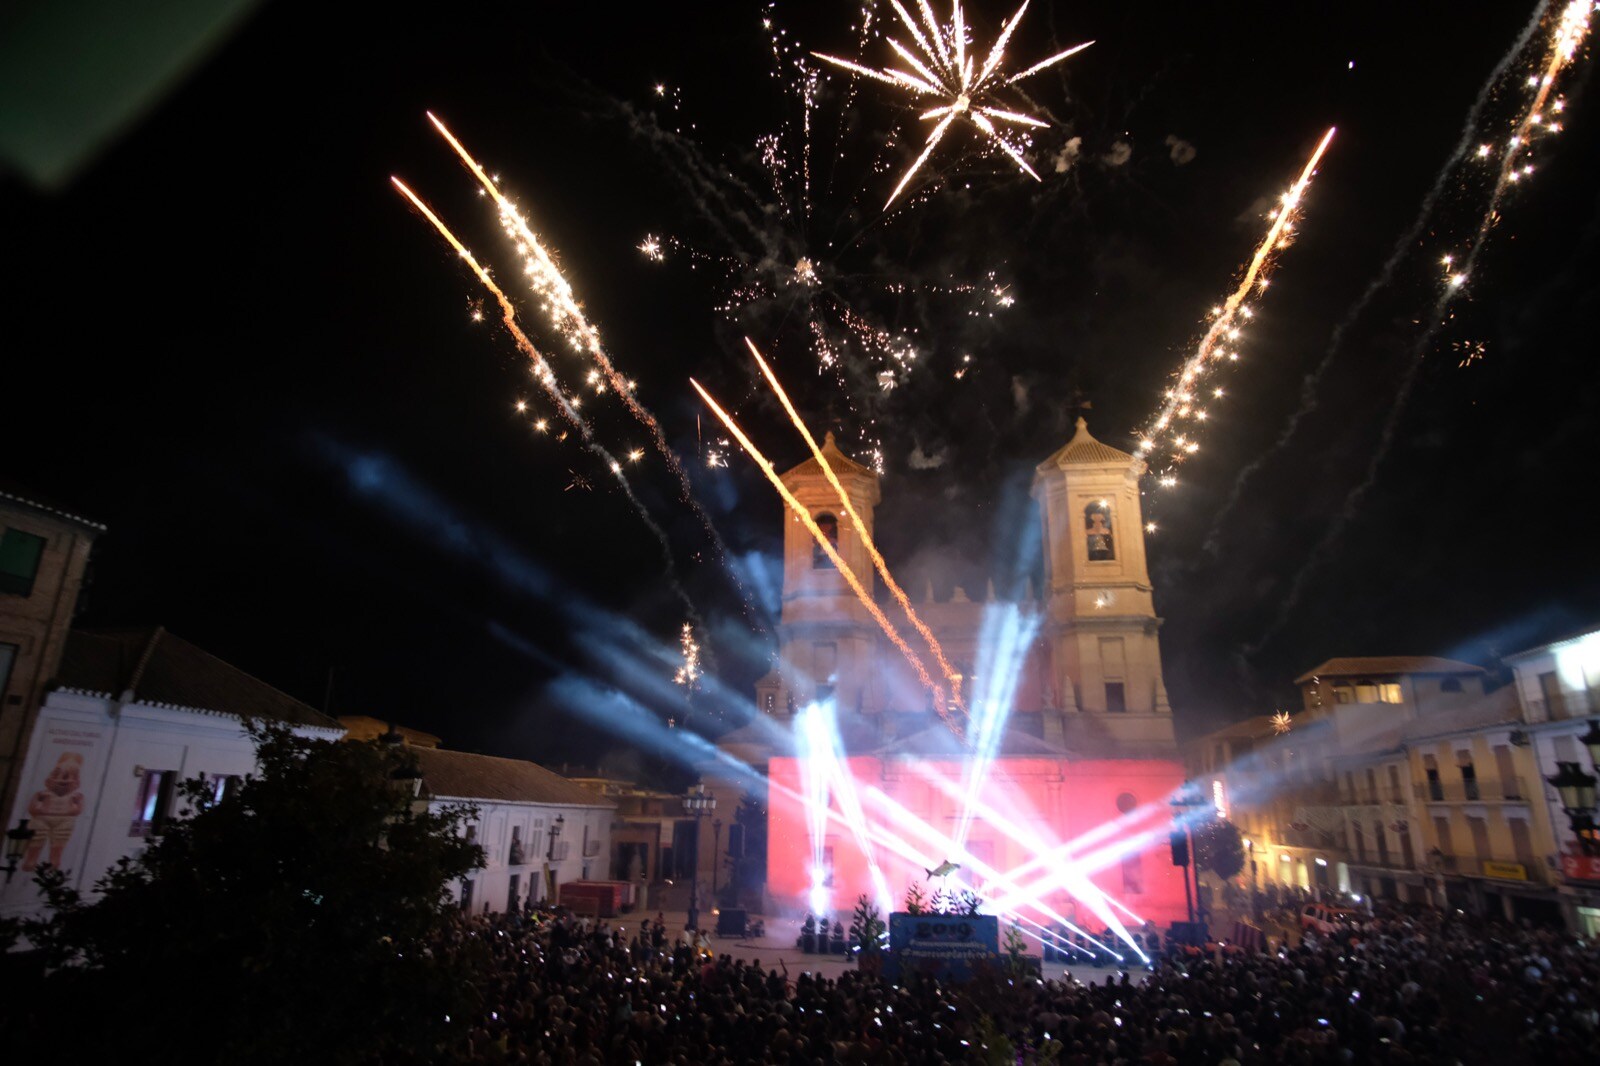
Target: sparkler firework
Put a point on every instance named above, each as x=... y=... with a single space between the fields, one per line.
x=828 y=549
x=950 y=672
x=546 y=379
x=1565 y=34
x=944 y=71
x=566 y=314
x=1161 y=444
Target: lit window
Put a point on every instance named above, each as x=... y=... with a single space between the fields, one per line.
x=1389 y=692
x=154 y=804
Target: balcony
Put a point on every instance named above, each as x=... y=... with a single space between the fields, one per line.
x=1568 y=703
x=591 y=848
x=1482 y=790
x=558 y=851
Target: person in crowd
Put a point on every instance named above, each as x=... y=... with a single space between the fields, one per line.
x=1409 y=987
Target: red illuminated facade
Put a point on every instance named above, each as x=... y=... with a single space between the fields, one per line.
x=1087 y=759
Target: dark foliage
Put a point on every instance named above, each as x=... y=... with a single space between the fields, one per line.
x=289 y=922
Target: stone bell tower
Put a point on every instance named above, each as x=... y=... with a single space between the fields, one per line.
x=1100 y=612
x=826 y=638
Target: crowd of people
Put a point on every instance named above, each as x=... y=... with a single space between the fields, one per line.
x=1412 y=987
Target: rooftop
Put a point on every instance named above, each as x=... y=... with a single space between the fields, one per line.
x=152 y=666
x=1084 y=449
x=1388 y=665
x=463 y=775
x=842 y=464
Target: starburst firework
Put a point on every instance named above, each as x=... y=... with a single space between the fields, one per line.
x=942 y=69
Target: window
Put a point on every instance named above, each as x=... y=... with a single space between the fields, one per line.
x=1097 y=529
x=1550 y=689
x=1469 y=776
x=516 y=858
x=1389 y=692
x=466 y=895
x=830 y=529
x=1366 y=692
x=1383 y=843
x=224 y=787
x=1116 y=697
x=19 y=561
x=8 y=659
x=512 y=902
x=154 y=804
x=1343 y=694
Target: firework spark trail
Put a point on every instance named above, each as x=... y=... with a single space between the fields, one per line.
x=1309 y=399
x=878 y=562
x=546 y=379
x=1180 y=398
x=945 y=71
x=827 y=546
x=1566 y=35
x=573 y=323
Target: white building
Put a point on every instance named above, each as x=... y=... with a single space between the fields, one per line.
x=538 y=830
x=1558 y=684
x=132 y=714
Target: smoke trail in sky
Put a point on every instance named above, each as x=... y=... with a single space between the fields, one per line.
x=1471 y=135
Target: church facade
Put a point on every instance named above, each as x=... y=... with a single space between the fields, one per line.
x=1082 y=769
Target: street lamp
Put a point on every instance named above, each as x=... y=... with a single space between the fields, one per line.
x=17 y=841
x=555 y=831
x=1576 y=790
x=1591 y=740
x=696 y=804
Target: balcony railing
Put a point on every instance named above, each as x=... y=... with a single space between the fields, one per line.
x=1569 y=703
x=558 y=851
x=1482 y=790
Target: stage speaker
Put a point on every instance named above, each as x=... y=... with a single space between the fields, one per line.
x=1180 y=849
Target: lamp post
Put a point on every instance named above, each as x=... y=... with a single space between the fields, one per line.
x=1187 y=800
x=1576 y=790
x=716 y=850
x=555 y=833
x=696 y=804
x=1255 y=881
x=17 y=841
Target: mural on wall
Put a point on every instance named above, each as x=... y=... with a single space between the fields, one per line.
x=55 y=807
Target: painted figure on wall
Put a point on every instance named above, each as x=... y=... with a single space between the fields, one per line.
x=55 y=809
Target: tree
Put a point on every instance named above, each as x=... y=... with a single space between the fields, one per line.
x=303 y=918
x=1219 y=848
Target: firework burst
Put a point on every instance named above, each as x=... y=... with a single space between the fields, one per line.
x=943 y=71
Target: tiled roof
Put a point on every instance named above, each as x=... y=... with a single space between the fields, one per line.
x=1083 y=448
x=463 y=775
x=160 y=668
x=1374 y=666
x=841 y=463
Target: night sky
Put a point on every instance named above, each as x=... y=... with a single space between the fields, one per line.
x=229 y=340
